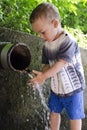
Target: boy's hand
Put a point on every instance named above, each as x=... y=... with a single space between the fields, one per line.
x=38 y=78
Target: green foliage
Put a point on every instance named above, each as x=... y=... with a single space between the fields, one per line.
x=14 y=14
x=73 y=13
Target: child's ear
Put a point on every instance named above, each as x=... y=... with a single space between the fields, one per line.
x=55 y=22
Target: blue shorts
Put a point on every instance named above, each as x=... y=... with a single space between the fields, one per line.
x=73 y=105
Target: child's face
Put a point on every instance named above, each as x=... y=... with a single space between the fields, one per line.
x=46 y=29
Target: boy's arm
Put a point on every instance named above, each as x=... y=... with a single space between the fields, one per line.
x=54 y=69
x=48 y=72
x=45 y=68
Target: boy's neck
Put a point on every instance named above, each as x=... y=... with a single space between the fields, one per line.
x=59 y=34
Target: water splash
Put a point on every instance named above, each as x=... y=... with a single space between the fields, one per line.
x=39 y=88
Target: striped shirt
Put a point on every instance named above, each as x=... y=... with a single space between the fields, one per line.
x=71 y=77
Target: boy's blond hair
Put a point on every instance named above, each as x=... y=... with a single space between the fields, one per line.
x=46 y=10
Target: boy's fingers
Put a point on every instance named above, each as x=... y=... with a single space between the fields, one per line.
x=36 y=72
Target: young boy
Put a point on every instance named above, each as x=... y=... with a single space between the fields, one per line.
x=61 y=57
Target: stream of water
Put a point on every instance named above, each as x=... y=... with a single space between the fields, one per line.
x=39 y=88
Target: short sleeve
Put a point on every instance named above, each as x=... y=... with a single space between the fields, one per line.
x=67 y=51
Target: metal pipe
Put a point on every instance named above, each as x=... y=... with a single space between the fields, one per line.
x=14 y=56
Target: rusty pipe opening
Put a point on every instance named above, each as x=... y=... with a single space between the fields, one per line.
x=15 y=56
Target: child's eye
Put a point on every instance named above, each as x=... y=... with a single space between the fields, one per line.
x=42 y=32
